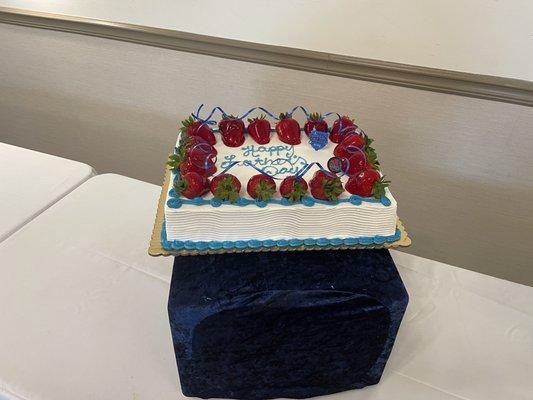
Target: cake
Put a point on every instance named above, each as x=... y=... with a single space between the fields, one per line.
x=256 y=181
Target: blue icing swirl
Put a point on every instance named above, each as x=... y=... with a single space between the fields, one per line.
x=351 y=241
x=261 y=204
x=322 y=241
x=295 y=242
x=379 y=239
x=366 y=240
x=308 y=201
x=385 y=201
x=335 y=241
x=215 y=245
x=355 y=200
x=216 y=202
x=282 y=243
x=174 y=202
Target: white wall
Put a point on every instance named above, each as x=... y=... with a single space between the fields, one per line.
x=461 y=168
x=491 y=37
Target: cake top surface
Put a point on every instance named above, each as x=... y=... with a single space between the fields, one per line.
x=258 y=157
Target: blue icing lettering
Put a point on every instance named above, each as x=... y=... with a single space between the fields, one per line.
x=274 y=160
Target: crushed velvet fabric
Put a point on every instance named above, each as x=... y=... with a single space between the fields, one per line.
x=283 y=324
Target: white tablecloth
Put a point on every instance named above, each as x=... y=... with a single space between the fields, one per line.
x=31 y=181
x=83 y=313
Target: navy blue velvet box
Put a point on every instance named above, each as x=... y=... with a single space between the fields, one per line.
x=283 y=324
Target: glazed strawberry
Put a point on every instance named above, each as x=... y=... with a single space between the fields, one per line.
x=355 y=163
x=191 y=185
x=193 y=141
x=197 y=128
x=325 y=186
x=207 y=170
x=349 y=145
x=293 y=188
x=315 y=122
x=367 y=183
x=288 y=129
x=341 y=128
x=225 y=187
x=232 y=131
x=201 y=155
x=259 y=129
x=261 y=187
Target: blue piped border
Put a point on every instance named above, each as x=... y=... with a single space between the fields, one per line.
x=176 y=202
x=174 y=245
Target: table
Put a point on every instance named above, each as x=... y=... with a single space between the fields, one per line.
x=31 y=181
x=83 y=313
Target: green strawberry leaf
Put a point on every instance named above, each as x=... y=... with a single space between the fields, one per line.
x=332 y=188
x=298 y=191
x=226 y=190
x=264 y=191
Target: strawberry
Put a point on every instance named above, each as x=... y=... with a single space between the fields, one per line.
x=315 y=122
x=232 y=131
x=193 y=141
x=288 y=129
x=197 y=128
x=259 y=129
x=355 y=163
x=187 y=166
x=191 y=185
x=367 y=183
x=341 y=128
x=346 y=148
x=293 y=188
x=225 y=187
x=201 y=155
x=261 y=187
x=325 y=186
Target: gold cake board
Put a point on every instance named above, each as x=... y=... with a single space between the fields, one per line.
x=157 y=250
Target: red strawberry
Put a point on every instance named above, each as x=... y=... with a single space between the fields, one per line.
x=325 y=186
x=191 y=185
x=293 y=188
x=315 y=122
x=192 y=141
x=197 y=128
x=202 y=155
x=288 y=129
x=341 y=128
x=186 y=166
x=232 y=131
x=261 y=187
x=367 y=183
x=355 y=163
x=225 y=187
x=259 y=129
x=349 y=145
